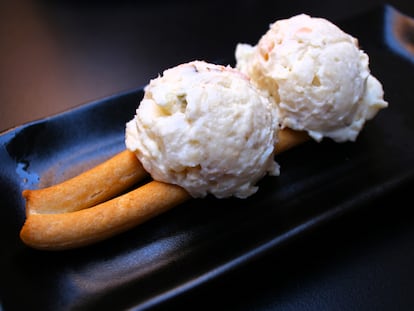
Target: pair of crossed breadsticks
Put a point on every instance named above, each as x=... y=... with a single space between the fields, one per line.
x=86 y=209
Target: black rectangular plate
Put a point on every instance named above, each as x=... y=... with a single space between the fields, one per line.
x=171 y=254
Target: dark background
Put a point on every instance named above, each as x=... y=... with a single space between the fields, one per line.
x=55 y=55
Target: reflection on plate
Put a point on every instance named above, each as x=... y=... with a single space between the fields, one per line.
x=171 y=254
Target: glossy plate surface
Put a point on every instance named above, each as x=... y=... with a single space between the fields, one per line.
x=172 y=253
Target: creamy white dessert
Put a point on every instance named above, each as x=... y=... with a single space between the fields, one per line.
x=206 y=128
x=316 y=74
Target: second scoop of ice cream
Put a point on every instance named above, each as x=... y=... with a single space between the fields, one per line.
x=205 y=128
x=316 y=74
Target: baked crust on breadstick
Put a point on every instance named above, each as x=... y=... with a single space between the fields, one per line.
x=89 y=188
x=57 y=228
x=288 y=138
x=87 y=226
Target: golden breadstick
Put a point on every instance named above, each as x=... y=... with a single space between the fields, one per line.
x=89 y=188
x=289 y=138
x=87 y=226
x=109 y=179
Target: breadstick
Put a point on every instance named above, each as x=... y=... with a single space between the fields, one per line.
x=83 y=227
x=80 y=227
x=289 y=138
x=109 y=179
x=89 y=188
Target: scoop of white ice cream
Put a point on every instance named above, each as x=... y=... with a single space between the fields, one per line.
x=316 y=74
x=205 y=128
